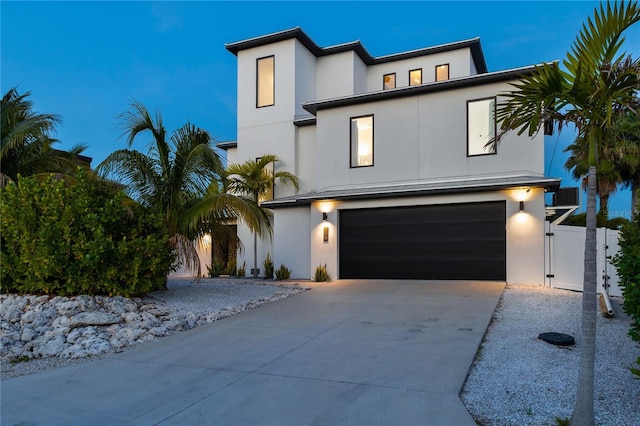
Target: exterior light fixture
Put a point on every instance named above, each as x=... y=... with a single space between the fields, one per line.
x=521 y=206
x=324 y=216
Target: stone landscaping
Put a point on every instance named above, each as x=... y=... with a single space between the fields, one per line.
x=82 y=326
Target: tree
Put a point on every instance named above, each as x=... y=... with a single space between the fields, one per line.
x=253 y=178
x=627 y=152
x=178 y=179
x=26 y=145
x=597 y=85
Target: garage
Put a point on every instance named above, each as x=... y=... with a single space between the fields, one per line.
x=464 y=241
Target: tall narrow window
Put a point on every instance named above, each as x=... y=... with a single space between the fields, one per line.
x=481 y=126
x=442 y=72
x=265 y=81
x=415 y=77
x=389 y=81
x=362 y=141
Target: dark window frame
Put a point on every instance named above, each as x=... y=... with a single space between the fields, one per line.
x=495 y=125
x=273 y=95
x=395 y=81
x=410 y=81
x=351 y=166
x=448 y=72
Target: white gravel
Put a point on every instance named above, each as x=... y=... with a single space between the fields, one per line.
x=518 y=379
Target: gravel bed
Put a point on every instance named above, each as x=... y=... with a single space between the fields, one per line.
x=206 y=300
x=518 y=379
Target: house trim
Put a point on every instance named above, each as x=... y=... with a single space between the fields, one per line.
x=358 y=48
x=416 y=189
x=456 y=83
x=227 y=145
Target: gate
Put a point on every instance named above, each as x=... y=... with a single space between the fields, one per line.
x=564 y=257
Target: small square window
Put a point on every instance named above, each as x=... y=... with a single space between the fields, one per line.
x=389 y=81
x=481 y=126
x=362 y=141
x=415 y=77
x=442 y=72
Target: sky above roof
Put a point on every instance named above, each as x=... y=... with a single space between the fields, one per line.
x=86 y=61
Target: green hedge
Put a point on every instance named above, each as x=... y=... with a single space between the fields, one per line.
x=80 y=238
x=627 y=263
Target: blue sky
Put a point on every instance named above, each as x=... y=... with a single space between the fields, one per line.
x=86 y=61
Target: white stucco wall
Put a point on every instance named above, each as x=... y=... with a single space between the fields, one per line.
x=335 y=75
x=292 y=241
x=417 y=138
x=459 y=66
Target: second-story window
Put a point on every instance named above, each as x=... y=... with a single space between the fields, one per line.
x=442 y=72
x=415 y=77
x=362 y=141
x=265 y=81
x=389 y=81
x=481 y=126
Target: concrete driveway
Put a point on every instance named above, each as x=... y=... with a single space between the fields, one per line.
x=351 y=352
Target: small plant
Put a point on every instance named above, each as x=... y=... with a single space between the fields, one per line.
x=562 y=422
x=321 y=274
x=268 y=267
x=19 y=360
x=242 y=271
x=283 y=273
x=231 y=268
x=216 y=268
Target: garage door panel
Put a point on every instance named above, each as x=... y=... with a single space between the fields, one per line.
x=461 y=241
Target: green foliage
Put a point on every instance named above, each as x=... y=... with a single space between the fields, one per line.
x=562 y=422
x=216 y=268
x=268 y=267
x=636 y=371
x=322 y=274
x=627 y=262
x=242 y=271
x=283 y=273
x=581 y=220
x=78 y=239
x=231 y=268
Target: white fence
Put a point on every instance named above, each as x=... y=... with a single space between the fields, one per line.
x=564 y=254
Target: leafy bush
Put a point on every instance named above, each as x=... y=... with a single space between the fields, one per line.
x=322 y=274
x=80 y=238
x=268 y=267
x=216 y=268
x=242 y=271
x=283 y=273
x=581 y=220
x=231 y=268
x=627 y=262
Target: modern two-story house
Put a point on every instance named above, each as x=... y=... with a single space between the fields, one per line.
x=396 y=178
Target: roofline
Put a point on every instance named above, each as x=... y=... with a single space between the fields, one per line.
x=391 y=192
x=358 y=48
x=227 y=145
x=439 y=86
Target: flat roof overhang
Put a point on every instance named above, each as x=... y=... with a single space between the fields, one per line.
x=415 y=190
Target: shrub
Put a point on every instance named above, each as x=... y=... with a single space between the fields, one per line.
x=242 y=271
x=231 y=268
x=268 y=267
x=283 y=273
x=581 y=220
x=80 y=238
x=216 y=268
x=627 y=262
x=322 y=274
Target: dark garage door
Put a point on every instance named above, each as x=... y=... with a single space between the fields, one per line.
x=452 y=241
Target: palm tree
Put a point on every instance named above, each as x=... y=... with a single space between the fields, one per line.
x=607 y=176
x=26 y=144
x=627 y=153
x=254 y=179
x=179 y=179
x=597 y=85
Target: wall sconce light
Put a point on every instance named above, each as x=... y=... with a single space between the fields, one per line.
x=521 y=206
x=324 y=216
